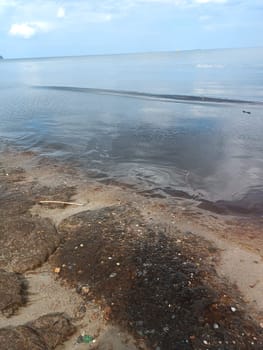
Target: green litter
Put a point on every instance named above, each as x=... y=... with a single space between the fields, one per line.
x=85 y=339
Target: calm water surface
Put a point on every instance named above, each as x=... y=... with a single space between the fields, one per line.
x=182 y=133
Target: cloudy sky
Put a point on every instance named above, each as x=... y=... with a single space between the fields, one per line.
x=37 y=28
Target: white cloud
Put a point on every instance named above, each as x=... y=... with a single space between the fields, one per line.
x=27 y=30
x=25 y=12
x=205 y=18
x=4 y=4
x=181 y=3
x=210 y=1
x=7 y=3
x=61 y=12
x=174 y=2
x=99 y=17
x=24 y=30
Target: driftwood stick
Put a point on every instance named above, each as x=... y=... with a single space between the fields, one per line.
x=60 y=202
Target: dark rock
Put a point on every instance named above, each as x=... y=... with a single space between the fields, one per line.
x=45 y=333
x=21 y=338
x=26 y=242
x=53 y=328
x=12 y=292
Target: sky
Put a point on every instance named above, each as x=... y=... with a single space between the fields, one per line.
x=34 y=28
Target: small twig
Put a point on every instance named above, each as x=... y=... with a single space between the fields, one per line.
x=60 y=202
x=254 y=285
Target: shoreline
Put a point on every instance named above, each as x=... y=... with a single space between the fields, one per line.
x=230 y=249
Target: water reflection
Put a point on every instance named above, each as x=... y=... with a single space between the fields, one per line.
x=212 y=151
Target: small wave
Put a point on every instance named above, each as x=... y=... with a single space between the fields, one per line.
x=145 y=95
x=209 y=66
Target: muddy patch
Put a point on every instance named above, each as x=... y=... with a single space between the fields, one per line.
x=160 y=286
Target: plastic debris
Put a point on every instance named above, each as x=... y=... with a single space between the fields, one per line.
x=85 y=339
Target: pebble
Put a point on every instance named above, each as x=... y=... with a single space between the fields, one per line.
x=205 y=342
x=166 y=329
x=113 y=274
x=81 y=245
x=215 y=325
x=85 y=289
x=233 y=309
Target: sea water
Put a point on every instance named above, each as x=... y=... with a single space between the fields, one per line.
x=187 y=121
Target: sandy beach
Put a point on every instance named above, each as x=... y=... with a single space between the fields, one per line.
x=119 y=268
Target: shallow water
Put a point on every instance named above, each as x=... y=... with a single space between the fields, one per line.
x=173 y=121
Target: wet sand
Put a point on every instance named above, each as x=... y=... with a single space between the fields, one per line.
x=132 y=270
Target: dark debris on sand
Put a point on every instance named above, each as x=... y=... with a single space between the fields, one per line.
x=158 y=286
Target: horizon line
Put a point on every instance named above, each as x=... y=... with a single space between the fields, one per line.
x=129 y=53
